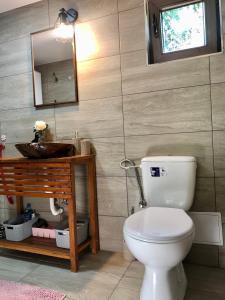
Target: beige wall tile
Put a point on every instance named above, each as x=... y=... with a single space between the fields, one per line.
x=217 y=68
x=18 y=124
x=218 y=106
x=179 y=110
x=97 y=118
x=15 y=57
x=132 y=28
x=204 y=195
x=204 y=255
x=137 y=77
x=87 y=9
x=219 y=148
x=24 y=20
x=110 y=151
x=98 y=38
x=198 y=144
x=11 y=89
x=220 y=196
x=111 y=239
x=112 y=196
x=222 y=252
x=128 y=4
x=99 y=78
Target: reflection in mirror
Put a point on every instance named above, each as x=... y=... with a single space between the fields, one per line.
x=180 y=29
x=54 y=69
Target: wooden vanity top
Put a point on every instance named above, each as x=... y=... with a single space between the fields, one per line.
x=70 y=159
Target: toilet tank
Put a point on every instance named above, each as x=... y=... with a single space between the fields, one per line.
x=169 y=181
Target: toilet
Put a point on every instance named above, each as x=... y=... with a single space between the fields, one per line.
x=161 y=235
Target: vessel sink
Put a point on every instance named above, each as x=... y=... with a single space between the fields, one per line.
x=45 y=150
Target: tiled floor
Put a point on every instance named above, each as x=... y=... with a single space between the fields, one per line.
x=105 y=276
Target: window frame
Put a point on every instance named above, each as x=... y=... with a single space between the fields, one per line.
x=213 y=24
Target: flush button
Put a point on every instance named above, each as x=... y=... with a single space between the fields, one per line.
x=155 y=171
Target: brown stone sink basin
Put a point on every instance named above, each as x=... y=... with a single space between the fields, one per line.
x=45 y=150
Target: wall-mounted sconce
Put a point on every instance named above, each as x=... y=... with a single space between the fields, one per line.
x=64 y=28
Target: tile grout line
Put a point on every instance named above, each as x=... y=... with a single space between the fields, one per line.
x=121 y=278
x=213 y=153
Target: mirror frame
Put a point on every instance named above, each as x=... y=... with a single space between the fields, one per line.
x=76 y=100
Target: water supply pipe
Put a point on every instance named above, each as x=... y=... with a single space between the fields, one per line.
x=55 y=210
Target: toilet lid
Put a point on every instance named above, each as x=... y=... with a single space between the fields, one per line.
x=159 y=224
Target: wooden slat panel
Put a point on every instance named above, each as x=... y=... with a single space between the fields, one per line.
x=35 y=183
x=37 y=177
x=34 y=171
x=35 y=165
x=36 y=195
x=34 y=189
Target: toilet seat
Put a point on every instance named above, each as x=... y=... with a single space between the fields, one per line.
x=159 y=225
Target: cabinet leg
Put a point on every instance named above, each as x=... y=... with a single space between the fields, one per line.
x=73 y=227
x=94 y=230
x=19 y=205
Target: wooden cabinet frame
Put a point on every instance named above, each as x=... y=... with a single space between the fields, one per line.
x=53 y=178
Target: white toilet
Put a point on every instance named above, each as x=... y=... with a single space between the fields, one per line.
x=161 y=236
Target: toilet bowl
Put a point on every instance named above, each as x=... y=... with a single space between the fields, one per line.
x=160 y=238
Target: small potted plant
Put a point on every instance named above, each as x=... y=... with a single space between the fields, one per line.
x=40 y=128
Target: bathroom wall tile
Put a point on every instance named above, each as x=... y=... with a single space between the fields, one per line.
x=218 y=106
x=11 y=151
x=129 y=4
x=100 y=78
x=137 y=77
x=179 y=110
x=17 y=124
x=219 y=148
x=133 y=195
x=109 y=153
x=220 y=196
x=132 y=28
x=217 y=68
x=223 y=14
x=97 y=118
x=23 y=21
x=204 y=195
x=111 y=240
x=87 y=9
x=15 y=57
x=222 y=252
x=97 y=38
x=112 y=196
x=11 y=90
x=206 y=255
x=198 y=144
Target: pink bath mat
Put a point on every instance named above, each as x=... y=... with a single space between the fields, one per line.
x=17 y=291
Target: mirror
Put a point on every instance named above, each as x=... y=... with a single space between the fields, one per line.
x=54 y=69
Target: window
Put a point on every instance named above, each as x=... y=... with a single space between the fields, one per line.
x=181 y=29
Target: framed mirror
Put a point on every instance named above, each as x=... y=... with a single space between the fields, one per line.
x=54 y=69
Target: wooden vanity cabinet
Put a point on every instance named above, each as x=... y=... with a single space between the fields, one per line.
x=51 y=178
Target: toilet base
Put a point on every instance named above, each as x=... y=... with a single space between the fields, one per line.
x=163 y=284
